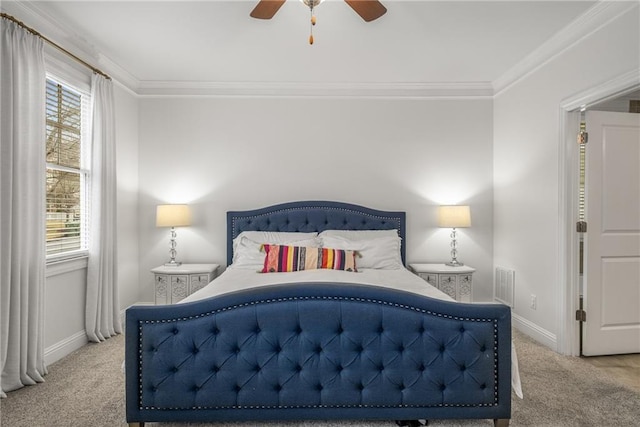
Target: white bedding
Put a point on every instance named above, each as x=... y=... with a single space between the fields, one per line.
x=235 y=279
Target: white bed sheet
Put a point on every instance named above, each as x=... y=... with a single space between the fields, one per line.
x=235 y=279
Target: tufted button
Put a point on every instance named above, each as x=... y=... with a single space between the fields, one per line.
x=175 y=369
x=277 y=349
x=359 y=349
x=421 y=330
x=442 y=387
x=318 y=350
x=340 y=330
x=463 y=368
x=154 y=389
x=175 y=331
x=339 y=368
x=196 y=350
x=196 y=388
x=483 y=386
x=236 y=349
x=461 y=329
x=483 y=348
x=319 y=387
x=256 y=368
x=422 y=367
x=237 y=388
x=257 y=330
x=400 y=348
x=298 y=330
x=360 y=387
x=442 y=349
x=215 y=369
x=277 y=387
x=215 y=331
x=380 y=330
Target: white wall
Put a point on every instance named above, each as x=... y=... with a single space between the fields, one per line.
x=127 y=174
x=227 y=154
x=526 y=161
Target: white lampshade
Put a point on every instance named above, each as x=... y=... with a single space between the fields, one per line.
x=173 y=216
x=454 y=216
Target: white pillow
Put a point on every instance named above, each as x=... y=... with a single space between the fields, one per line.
x=246 y=247
x=275 y=237
x=360 y=234
x=381 y=252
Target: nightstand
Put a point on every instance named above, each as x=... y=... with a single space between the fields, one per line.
x=176 y=283
x=453 y=281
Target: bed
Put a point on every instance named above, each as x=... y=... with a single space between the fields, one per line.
x=325 y=344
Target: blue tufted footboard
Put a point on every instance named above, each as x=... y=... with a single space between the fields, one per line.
x=318 y=351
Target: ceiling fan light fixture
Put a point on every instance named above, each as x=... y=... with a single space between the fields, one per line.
x=311 y=3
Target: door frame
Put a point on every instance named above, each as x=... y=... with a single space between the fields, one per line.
x=568 y=338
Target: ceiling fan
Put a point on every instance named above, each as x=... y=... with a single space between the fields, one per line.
x=367 y=9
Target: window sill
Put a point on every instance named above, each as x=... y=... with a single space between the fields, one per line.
x=61 y=266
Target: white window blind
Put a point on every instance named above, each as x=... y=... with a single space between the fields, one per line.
x=67 y=174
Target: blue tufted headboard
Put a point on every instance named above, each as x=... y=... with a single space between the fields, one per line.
x=314 y=216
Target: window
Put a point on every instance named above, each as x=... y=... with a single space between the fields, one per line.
x=67 y=175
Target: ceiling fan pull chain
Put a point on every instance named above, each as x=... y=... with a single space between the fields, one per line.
x=313 y=22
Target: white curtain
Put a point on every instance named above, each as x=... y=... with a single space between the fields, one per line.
x=102 y=310
x=22 y=199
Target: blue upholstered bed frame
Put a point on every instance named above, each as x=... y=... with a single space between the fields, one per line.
x=317 y=351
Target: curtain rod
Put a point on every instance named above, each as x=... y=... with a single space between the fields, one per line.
x=57 y=46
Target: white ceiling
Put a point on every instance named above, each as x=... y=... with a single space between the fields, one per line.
x=173 y=42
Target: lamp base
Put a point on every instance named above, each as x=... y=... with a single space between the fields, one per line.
x=172 y=264
x=454 y=263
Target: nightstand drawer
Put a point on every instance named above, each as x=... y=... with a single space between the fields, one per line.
x=199 y=281
x=432 y=279
x=456 y=282
x=173 y=284
x=179 y=288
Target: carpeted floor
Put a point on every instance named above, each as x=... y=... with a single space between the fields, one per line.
x=87 y=389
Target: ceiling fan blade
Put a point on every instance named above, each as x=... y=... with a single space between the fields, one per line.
x=265 y=9
x=367 y=9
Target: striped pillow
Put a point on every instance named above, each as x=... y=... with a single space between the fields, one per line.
x=281 y=258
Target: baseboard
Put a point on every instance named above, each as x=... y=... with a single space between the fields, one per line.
x=536 y=332
x=70 y=344
x=65 y=347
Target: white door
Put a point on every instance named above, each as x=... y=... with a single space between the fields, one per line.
x=612 y=241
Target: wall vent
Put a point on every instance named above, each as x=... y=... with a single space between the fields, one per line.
x=503 y=290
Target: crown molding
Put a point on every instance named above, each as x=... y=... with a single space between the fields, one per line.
x=34 y=16
x=323 y=90
x=585 y=25
x=611 y=89
x=52 y=29
x=593 y=19
x=58 y=32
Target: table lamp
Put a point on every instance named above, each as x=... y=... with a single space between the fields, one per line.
x=173 y=216
x=454 y=217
